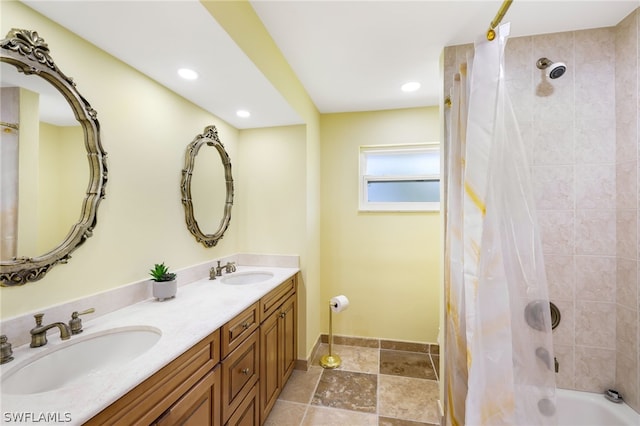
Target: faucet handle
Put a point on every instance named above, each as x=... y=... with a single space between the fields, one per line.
x=5 y=350
x=38 y=318
x=75 y=324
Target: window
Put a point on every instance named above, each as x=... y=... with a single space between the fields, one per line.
x=400 y=178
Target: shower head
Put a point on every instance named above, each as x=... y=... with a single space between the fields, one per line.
x=554 y=69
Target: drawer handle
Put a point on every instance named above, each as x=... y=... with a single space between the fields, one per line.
x=245 y=325
x=245 y=371
x=283 y=314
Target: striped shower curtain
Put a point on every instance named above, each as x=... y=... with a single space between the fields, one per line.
x=499 y=367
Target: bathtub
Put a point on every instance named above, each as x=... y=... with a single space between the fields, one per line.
x=577 y=408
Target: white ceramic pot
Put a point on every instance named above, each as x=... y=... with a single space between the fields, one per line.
x=163 y=290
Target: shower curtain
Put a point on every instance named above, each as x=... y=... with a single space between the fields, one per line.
x=499 y=364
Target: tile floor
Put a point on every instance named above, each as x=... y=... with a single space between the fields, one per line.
x=373 y=386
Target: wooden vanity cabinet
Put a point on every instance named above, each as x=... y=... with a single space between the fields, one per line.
x=278 y=333
x=233 y=377
x=185 y=391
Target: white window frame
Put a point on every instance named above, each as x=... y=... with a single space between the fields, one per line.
x=366 y=206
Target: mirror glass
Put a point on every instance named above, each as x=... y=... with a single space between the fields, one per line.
x=207 y=187
x=54 y=168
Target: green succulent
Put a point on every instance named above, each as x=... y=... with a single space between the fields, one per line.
x=161 y=273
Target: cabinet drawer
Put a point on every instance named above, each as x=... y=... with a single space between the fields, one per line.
x=240 y=372
x=235 y=331
x=270 y=303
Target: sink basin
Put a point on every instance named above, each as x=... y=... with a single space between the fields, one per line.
x=74 y=359
x=251 y=277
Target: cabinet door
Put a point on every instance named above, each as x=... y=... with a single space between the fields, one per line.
x=247 y=413
x=270 y=343
x=288 y=327
x=200 y=406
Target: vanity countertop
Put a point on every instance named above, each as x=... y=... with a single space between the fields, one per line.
x=198 y=309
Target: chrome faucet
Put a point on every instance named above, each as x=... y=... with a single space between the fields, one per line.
x=39 y=332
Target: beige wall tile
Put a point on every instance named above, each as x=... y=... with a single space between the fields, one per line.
x=553 y=187
x=565 y=378
x=560 y=277
x=595 y=232
x=593 y=369
x=596 y=278
x=595 y=186
x=627 y=282
x=557 y=231
x=596 y=324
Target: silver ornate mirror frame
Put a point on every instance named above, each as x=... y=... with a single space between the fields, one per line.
x=29 y=53
x=208 y=137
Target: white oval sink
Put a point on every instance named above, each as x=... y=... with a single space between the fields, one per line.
x=69 y=361
x=250 y=277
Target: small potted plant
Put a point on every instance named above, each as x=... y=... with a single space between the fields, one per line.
x=165 y=285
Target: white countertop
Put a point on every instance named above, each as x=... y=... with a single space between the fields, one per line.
x=198 y=309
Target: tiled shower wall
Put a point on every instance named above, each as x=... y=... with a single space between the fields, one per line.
x=585 y=189
x=627 y=85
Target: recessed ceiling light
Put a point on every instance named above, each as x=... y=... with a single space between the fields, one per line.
x=187 y=74
x=243 y=113
x=411 y=86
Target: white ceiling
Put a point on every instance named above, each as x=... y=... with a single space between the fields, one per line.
x=349 y=55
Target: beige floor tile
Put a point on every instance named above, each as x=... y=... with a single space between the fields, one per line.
x=286 y=414
x=318 y=416
x=354 y=358
x=347 y=390
x=408 y=398
x=359 y=392
x=406 y=364
x=301 y=385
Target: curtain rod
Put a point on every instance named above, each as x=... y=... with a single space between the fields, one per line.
x=9 y=125
x=491 y=34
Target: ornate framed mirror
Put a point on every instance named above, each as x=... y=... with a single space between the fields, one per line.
x=32 y=205
x=207 y=190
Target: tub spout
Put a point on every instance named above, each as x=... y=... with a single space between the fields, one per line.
x=613 y=396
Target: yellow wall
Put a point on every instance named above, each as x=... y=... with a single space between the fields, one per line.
x=64 y=173
x=28 y=172
x=145 y=129
x=270 y=162
x=243 y=25
x=387 y=264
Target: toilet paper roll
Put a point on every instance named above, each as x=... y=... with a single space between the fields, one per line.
x=339 y=303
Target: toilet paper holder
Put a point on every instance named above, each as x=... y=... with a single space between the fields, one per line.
x=336 y=304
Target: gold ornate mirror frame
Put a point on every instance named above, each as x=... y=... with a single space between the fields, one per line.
x=29 y=53
x=210 y=138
